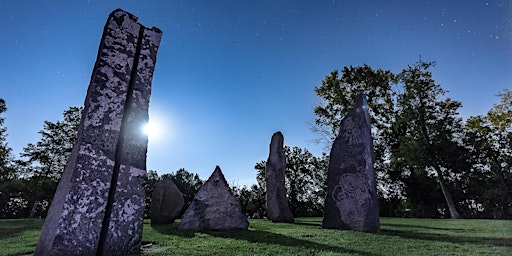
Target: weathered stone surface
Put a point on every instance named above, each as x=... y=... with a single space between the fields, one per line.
x=277 y=203
x=214 y=207
x=98 y=207
x=166 y=202
x=351 y=201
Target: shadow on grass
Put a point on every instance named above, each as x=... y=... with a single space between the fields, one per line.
x=426 y=227
x=261 y=237
x=310 y=224
x=6 y=233
x=173 y=230
x=16 y=227
x=507 y=242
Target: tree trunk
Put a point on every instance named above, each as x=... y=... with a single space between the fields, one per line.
x=34 y=209
x=448 y=197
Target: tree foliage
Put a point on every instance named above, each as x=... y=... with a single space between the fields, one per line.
x=30 y=192
x=416 y=131
x=48 y=157
x=489 y=180
x=150 y=181
x=337 y=96
x=305 y=178
x=17 y=194
x=9 y=187
x=426 y=140
x=188 y=183
x=7 y=171
x=252 y=200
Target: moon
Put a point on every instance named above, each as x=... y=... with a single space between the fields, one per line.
x=151 y=129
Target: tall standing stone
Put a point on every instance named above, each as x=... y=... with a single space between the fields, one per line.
x=98 y=207
x=351 y=201
x=166 y=202
x=214 y=207
x=277 y=203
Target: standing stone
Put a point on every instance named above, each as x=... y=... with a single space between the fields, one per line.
x=351 y=201
x=98 y=207
x=166 y=202
x=277 y=203
x=214 y=207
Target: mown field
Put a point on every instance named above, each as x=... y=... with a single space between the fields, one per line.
x=306 y=237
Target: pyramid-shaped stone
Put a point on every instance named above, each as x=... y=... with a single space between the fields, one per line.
x=214 y=207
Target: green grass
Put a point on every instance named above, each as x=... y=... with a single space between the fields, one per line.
x=305 y=237
x=19 y=236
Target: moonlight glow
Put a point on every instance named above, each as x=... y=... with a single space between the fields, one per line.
x=151 y=129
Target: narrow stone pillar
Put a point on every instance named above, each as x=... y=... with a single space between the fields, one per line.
x=351 y=202
x=98 y=207
x=277 y=203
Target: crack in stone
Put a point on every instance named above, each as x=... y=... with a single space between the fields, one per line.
x=119 y=147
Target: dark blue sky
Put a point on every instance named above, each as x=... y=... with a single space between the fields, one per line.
x=230 y=73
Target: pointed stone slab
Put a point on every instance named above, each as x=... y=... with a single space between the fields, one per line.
x=277 y=203
x=166 y=202
x=98 y=207
x=351 y=202
x=214 y=207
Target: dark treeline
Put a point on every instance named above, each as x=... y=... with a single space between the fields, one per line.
x=429 y=161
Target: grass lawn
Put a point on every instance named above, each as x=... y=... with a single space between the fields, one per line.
x=305 y=237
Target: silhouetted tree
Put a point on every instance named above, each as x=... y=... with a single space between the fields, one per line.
x=337 y=96
x=305 y=181
x=50 y=154
x=417 y=134
x=252 y=200
x=427 y=135
x=47 y=160
x=9 y=185
x=188 y=183
x=149 y=185
x=7 y=171
x=489 y=180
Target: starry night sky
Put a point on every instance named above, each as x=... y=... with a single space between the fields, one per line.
x=231 y=73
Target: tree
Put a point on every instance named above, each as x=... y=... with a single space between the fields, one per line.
x=47 y=160
x=337 y=96
x=252 y=200
x=426 y=137
x=489 y=180
x=188 y=183
x=305 y=181
x=149 y=185
x=51 y=153
x=9 y=186
x=417 y=135
x=17 y=192
x=7 y=172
